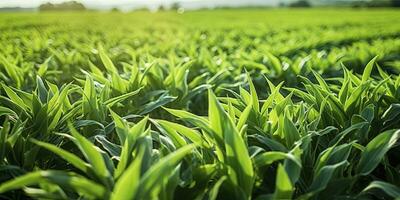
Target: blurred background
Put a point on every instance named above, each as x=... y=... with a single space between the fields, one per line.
x=160 y=5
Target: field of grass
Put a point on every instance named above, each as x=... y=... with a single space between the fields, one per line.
x=224 y=104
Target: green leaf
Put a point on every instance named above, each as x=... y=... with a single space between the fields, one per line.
x=213 y=194
x=121 y=126
x=253 y=93
x=322 y=179
x=191 y=134
x=173 y=135
x=161 y=101
x=274 y=96
x=376 y=150
x=332 y=155
x=112 y=101
x=13 y=71
x=91 y=154
x=3 y=139
x=21 y=181
x=152 y=181
x=108 y=64
x=127 y=184
x=270 y=157
x=236 y=155
x=321 y=81
x=67 y=156
x=368 y=69
x=63 y=179
x=390 y=189
x=135 y=132
x=283 y=186
x=293 y=163
x=197 y=121
x=44 y=66
x=14 y=97
x=243 y=117
x=89 y=100
x=275 y=63
x=290 y=132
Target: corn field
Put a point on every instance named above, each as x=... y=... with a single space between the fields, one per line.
x=221 y=104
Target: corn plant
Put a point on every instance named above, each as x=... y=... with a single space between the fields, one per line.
x=210 y=104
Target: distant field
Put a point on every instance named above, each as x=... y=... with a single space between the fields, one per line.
x=211 y=104
x=234 y=36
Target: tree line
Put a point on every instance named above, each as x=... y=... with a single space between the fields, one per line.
x=75 y=5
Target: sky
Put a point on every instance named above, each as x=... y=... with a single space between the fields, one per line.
x=133 y=3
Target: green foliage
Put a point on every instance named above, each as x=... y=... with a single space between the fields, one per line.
x=224 y=104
